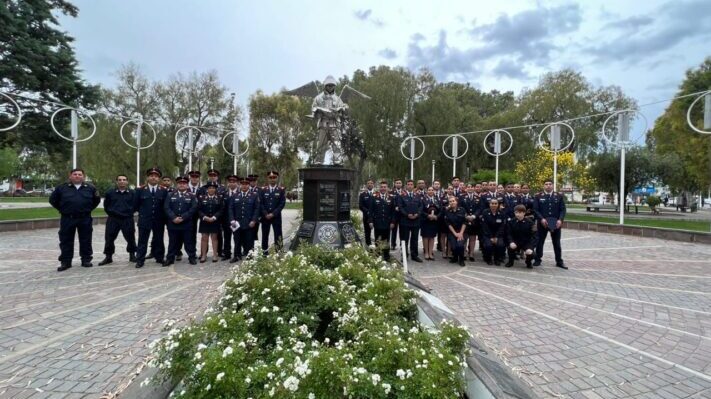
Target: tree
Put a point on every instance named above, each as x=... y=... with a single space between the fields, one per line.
x=505 y=176
x=672 y=136
x=274 y=128
x=37 y=60
x=538 y=167
x=640 y=169
x=8 y=162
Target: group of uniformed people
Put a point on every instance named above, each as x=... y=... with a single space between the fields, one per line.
x=224 y=215
x=508 y=221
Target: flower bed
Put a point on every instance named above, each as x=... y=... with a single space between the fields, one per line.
x=314 y=324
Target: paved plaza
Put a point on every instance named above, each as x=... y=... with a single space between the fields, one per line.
x=631 y=318
x=83 y=333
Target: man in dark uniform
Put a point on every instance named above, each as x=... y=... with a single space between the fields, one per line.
x=151 y=217
x=273 y=200
x=167 y=183
x=397 y=190
x=228 y=194
x=410 y=206
x=119 y=205
x=521 y=236
x=527 y=200
x=253 y=188
x=493 y=229
x=195 y=187
x=243 y=214
x=180 y=206
x=381 y=216
x=549 y=208
x=470 y=204
x=364 y=200
x=75 y=200
x=510 y=201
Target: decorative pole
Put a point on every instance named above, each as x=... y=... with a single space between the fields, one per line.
x=74 y=126
x=139 y=123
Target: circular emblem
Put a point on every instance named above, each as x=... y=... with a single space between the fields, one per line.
x=327 y=234
x=348 y=233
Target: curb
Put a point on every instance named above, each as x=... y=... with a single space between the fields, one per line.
x=638 y=231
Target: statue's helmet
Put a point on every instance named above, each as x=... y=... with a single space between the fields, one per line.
x=329 y=81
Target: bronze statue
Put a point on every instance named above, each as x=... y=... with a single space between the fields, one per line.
x=332 y=120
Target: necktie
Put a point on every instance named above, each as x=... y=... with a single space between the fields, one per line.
x=153 y=190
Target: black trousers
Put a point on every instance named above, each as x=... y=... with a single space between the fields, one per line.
x=393 y=234
x=157 y=230
x=244 y=241
x=521 y=246
x=178 y=238
x=220 y=243
x=366 y=229
x=456 y=245
x=127 y=229
x=226 y=238
x=68 y=226
x=382 y=237
x=410 y=234
x=267 y=225
x=492 y=250
x=555 y=237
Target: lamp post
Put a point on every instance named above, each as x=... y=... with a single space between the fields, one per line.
x=497 y=147
x=74 y=129
x=455 y=150
x=411 y=156
x=139 y=123
x=555 y=145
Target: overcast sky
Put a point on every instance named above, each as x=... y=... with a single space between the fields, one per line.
x=644 y=47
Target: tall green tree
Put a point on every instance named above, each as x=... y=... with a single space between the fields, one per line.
x=671 y=134
x=37 y=60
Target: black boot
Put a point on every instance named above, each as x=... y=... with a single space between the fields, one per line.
x=235 y=259
x=86 y=264
x=132 y=257
x=528 y=261
x=168 y=262
x=108 y=259
x=64 y=266
x=461 y=261
x=139 y=264
x=453 y=259
x=510 y=262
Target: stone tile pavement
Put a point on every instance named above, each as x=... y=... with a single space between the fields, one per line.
x=630 y=319
x=83 y=333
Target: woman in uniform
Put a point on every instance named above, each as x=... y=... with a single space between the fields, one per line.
x=456 y=217
x=429 y=225
x=493 y=233
x=209 y=211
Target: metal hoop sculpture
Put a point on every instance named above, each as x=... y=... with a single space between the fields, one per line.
x=402 y=145
x=688 y=113
x=234 y=133
x=190 y=150
x=503 y=152
x=75 y=140
x=138 y=122
x=609 y=118
x=19 y=113
x=540 y=136
x=452 y=137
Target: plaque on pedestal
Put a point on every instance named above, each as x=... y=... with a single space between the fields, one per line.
x=327 y=207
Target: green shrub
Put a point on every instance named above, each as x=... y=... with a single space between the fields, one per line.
x=314 y=324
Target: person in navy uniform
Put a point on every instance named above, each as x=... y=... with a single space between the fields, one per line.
x=180 y=207
x=75 y=200
x=254 y=188
x=167 y=183
x=470 y=203
x=195 y=187
x=510 y=201
x=456 y=218
x=521 y=236
x=527 y=200
x=549 y=208
x=119 y=205
x=148 y=203
x=396 y=191
x=364 y=200
x=243 y=214
x=410 y=207
x=381 y=217
x=210 y=208
x=493 y=230
x=272 y=201
x=429 y=227
x=213 y=176
x=228 y=194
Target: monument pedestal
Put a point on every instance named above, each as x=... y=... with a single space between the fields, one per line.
x=327 y=207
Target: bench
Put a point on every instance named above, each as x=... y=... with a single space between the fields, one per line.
x=597 y=207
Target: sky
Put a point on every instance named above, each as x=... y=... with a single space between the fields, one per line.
x=643 y=47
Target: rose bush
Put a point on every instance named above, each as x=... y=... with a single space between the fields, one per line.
x=317 y=323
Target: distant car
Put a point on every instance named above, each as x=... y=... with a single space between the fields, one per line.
x=19 y=193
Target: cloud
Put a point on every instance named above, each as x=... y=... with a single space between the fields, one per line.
x=363 y=15
x=388 y=53
x=511 y=70
x=643 y=37
x=523 y=38
x=367 y=16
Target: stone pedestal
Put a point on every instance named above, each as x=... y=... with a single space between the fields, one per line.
x=327 y=207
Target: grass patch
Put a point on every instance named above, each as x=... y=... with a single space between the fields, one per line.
x=37 y=213
x=691 y=225
x=293 y=205
x=24 y=199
